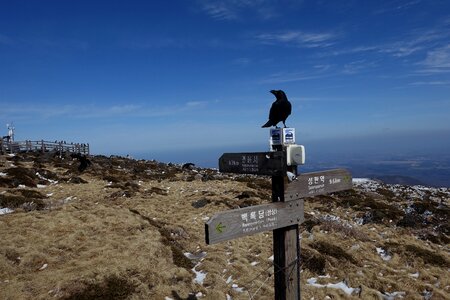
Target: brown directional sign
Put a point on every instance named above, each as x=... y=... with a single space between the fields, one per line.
x=318 y=183
x=245 y=221
x=259 y=163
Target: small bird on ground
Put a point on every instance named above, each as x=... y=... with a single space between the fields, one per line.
x=280 y=109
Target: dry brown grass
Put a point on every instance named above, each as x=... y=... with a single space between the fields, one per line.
x=86 y=244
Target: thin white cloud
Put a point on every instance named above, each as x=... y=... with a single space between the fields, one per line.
x=399 y=5
x=5 y=40
x=243 y=61
x=358 y=66
x=433 y=83
x=12 y=111
x=438 y=58
x=196 y=103
x=245 y=9
x=298 y=38
x=220 y=10
x=121 y=109
x=290 y=77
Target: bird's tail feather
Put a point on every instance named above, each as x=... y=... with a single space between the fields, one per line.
x=268 y=124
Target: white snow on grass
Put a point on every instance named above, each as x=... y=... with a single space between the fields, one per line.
x=393 y=295
x=199 y=275
x=41 y=186
x=383 y=253
x=46 y=179
x=340 y=285
x=70 y=198
x=196 y=256
x=237 y=288
x=229 y=279
x=361 y=180
x=414 y=275
x=3 y=174
x=6 y=210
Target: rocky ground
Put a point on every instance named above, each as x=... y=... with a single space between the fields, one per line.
x=128 y=229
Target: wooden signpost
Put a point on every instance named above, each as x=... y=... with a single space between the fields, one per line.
x=318 y=183
x=237 y=223
x=259 y=163
x=282 y=216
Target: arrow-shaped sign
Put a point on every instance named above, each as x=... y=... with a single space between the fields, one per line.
x=318 y=183
x=259 y=163
x=220 y=227
x=253 y=219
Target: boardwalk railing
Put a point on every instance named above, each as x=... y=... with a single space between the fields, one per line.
x=42 y=146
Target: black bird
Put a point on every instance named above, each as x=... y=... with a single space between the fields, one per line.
x=84 y=161
x=280 y=109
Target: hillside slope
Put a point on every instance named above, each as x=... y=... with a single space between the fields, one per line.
x=127 y=229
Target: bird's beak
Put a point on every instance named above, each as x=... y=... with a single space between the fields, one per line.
x=273 y=91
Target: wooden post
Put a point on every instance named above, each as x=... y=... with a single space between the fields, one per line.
x=286 y=249
x=282 y=216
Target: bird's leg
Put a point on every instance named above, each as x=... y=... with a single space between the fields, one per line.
x=284 y=124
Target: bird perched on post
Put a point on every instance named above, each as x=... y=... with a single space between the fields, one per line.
x=280 y=109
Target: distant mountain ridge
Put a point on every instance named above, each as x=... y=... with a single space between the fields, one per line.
x=397 y=179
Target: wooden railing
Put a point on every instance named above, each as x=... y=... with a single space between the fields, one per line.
x=43 y=146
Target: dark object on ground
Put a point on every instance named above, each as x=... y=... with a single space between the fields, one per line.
x=280 y=109
x=188 y=166
x=243 y=195
x=84 y=161
x=200 y=203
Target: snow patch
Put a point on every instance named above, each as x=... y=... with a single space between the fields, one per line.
x=393 y=295
x=3 y=174
x=46 y=179
x=383 y=253
x=199 y=275
x=196 y=256
x=238 y=289
x=340 y=285
x=6 y=210
x=70 y=198
x=362 y=180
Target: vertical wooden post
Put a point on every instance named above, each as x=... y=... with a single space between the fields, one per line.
x=286 y=250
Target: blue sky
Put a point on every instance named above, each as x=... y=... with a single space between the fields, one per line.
x=149 y=76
